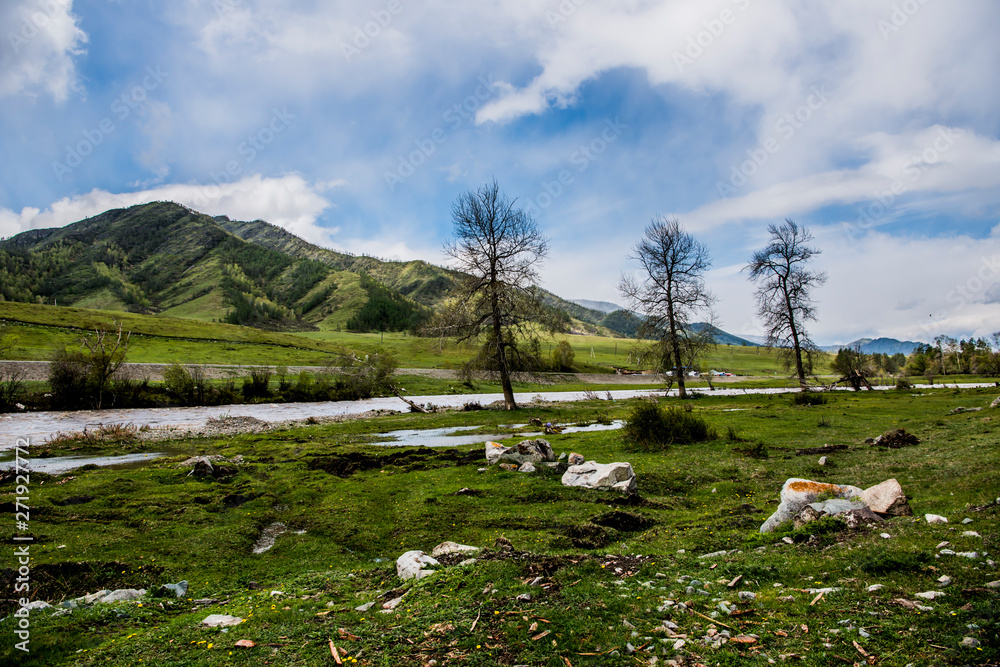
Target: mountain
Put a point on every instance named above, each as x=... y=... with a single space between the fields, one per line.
x=164 y=258
x=721 y=337
x=605 y=307
x=878 y=346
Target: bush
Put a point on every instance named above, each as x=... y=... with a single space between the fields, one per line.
x=650 y=427
x=809 y=398
x=903 y=384
x=881 y=562
x=257 y=384
x=179 y=382
x=563 y=357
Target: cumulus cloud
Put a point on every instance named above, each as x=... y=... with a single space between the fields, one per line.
x=288 y=201
x=42 y=40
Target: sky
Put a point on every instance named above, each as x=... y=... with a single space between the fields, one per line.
x=875 y=124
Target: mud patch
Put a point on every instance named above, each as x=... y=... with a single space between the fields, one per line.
x=235 y=500
x=626 y=522
x=408 y=460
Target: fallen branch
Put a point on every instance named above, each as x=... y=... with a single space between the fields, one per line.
x=413 y=406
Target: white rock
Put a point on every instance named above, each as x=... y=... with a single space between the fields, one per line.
x=797 y=493
x=970 y=533
x=393 y=603
x=944 y=580
x=679 y=644
x=930 y=595
x=493 y=452
x=527 y=466
x=969 y=642
x=747 y=596
x=411 y=565
x=452 y=548
x=966 y=520
x=942 y=545
x=993 y=584
x=875 y=587
x=935 y=518
x=122 y=595
x=593 y=475
x=885 y=536
x=37 y=604
x=364 y=607
x=221 y=620
x=93 y=597
x=822 y=460
x=968 y=554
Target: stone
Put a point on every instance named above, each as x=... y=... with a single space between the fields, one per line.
x=875 y=587
x=177 y=590
x=122 y=595
x=364 y=607
x=393 y=603
x=528 y=451
x=857 y=518
x=823 y=460
x=528 y=466
x=797 y=493
x=93 y=597
x=221 y=620
x=993 y=584
x=493 y=452
x=414 y=564
x=944 y=581
x=966 y=520
x=995 y=403
x=452 y=548
x=970 y=533
x=969 y=642
x=930 y=595
x=592 y=475
x=37 y=604
x=887 y=498
x=512 y=467
x=576 y=459
x=934 y=518
x=747 y=596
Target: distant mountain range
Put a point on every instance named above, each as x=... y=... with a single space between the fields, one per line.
x=605 y=307
x=878 y=346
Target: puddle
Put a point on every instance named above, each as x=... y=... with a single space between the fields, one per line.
x=58 y=465
x=455 y=436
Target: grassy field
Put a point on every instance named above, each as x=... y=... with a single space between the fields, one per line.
x=607 y=566
x=161 y=339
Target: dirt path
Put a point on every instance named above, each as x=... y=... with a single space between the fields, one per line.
x=37 y=371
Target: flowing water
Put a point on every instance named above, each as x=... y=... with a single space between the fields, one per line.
x=39 y=427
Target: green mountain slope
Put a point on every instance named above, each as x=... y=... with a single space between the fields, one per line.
x=163 y=258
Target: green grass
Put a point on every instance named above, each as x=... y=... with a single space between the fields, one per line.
x=152 y=525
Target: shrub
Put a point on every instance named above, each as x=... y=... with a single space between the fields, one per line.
x=881 y=562
x=179 y=382
x=563 y=356
x=649 y=427
x=809 y=398
x=257 y=384
x=903 y=384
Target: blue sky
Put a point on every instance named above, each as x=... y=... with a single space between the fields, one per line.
x=355 y=125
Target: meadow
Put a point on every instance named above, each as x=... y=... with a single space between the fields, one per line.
x=608 y=565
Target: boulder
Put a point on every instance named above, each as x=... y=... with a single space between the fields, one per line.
x=833 y=507
x=412 y=564
x=452 y=548
x=527 y=467
x=995 y=403
x=797 y=493
x=493 y=452
x=593 y=475
x=576 y=459
x=528 y=451
x=935 y=518
x=887 y=498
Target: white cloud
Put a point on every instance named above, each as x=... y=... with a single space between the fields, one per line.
x=41 y=41
x=287 y=201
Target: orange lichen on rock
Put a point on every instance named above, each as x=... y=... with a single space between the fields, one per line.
x=805 y=486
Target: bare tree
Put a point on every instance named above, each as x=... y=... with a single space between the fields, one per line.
x=499 y=247
x=671 y=292
x=783 y=294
